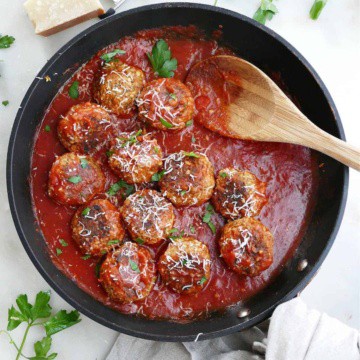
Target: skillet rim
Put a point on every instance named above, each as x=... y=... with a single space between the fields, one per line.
x=97 y=317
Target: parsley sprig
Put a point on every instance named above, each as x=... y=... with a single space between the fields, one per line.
x=30 y=314
x=265 y=12
x=161 y=61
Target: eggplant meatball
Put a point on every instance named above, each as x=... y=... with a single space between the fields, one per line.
x=238 y=194
x=128 y=274
x=185 y=265
x=246 y=245
x=166 y=104
x=96 y=227
x=118 y=87
x=148 y=216
x=188 y=178
x=85 y=128
x=135 y=158
x=75 y=179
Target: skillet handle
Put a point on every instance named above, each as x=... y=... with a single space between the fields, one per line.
x=110 y=12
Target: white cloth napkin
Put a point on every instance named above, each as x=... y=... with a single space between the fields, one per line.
x=295 y=333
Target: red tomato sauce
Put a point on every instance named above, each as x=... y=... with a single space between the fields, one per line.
x=289 y=170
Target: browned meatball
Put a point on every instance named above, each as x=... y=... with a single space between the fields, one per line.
x=185 y=265
x=188 y=179
x=128 y=274
x=75 y=179
x=96 y=227
x=85 y=128
x=246 y=245
x=148 y=216
x=166 y=104
x=135 y=158
x=118 y=87
x=238 y=194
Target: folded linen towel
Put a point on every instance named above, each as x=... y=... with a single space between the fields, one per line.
x=295 y=333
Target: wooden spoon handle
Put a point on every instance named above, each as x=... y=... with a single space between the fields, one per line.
x=333 y=147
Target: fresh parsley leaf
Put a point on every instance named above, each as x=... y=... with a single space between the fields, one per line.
x=192 y=229
x=47 y=128
x=114 y=188
x=85 y=257
x=75 y=179
x=134 y=266
x=41 y=308
x=183 y=192
x=223 y=175
x=265 y=12
x=5 y=102
x=173 y=230
x=109 y=153
x=166 y=123
x=110 y=55
x=132 y=139
x=161 y=61
x=139 y=241
x=63 y=242
x=84 y=163
x=191 y=154
x=58 y=251
x=74 y=90
x=86 y=211
x=15 y=318
x=6 y=41
x=202 y=281
x=158 y=176
x=156 y=149
x=207 y=218
x=61 y=321
x=193 y=139
x=24 y=306
x=41 y=348
x=113 y=242
x=189 y=123
x=173 y=96
x=317 y=8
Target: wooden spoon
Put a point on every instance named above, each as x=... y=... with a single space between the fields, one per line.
x=259 y=110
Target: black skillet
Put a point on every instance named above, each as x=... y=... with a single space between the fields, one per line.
x=255 y=43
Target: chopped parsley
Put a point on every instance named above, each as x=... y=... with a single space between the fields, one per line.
x=192 y=229
x=47 y=128
x=189 y=123
x=207 y=218
x=161 y=61
x=176 y=234
x=113 y=242
x=86 y=211
x=158 y=176
x=121 y=184
x=109 y=153
x=110 y=55
x=193 y=139
x=223 y=174
x=183 y=192
x=74 y=90
x=265 y=12
x=63 y=242
x=173 y=230
x=134 y=266
x=86 y=257
x=75 y=179
x=202 y=281
x=156 y=149
x=5 y=102
x=166 y=123
x=173 y=96
x=6 y=41
x=58 y=251
x=191 y=154
x=97 y=270
x=317 y=8
x=84 y=163
x=140 y=241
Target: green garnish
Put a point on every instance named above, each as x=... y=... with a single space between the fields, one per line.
x=121 y=184
x=191 y=154
x=5 y=102
x=85 y=257
x=193 y=140
x=103 y=252
x=109 y=153
x=165 y=123
x=132 y=139
x=84 y=163
x=134 y=266
x=47 y=128
x=113 y=242
x=75 y=179
x=156 y=149
x=6 y=41
x=86 y=211
x=203 y=279
x=192 y=229
x=183 y=192
x=110 y=56
x=63 y=242
x=140 y=241
x=74 y=90
x=173 y=96
x=161 y=61
x=158 y=176
x=58 y=251
x=207 y=218
x=223 y=174
x=29 y=314
x=173 y=230
x=317 y=8
x=97 y=270
x=189 y=123
x=265 y=12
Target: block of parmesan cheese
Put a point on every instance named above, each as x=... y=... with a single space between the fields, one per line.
x=52 y=16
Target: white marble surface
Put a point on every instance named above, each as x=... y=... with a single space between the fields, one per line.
x=331 y=44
